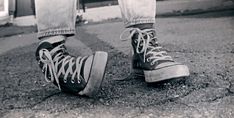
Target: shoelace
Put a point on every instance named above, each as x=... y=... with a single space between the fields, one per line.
x=145 y=37
x=51 y=65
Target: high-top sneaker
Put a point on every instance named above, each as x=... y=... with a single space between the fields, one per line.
x=150 y=59
x=77 y=75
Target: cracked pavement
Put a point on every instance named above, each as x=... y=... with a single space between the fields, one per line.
x=204 y=42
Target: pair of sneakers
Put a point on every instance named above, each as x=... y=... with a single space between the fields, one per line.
x=84 y=75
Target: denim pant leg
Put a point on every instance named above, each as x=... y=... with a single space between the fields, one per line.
x=137 y=11
x=55 y=17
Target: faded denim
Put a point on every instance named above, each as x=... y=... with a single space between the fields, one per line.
x=57 y=17
x=137 y=11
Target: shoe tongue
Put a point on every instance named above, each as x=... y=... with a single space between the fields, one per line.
x=49 y=46
x=54 y=45
x=58 y=43
x=153 y=41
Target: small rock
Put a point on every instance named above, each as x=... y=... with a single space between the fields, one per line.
x=101 y=100
x=11 y=106
x=232 y=88
x=151 y=115
x=107 y=104
x=232 y=51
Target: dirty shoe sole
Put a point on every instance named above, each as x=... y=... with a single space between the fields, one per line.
x=96 y=74
x=170 y=72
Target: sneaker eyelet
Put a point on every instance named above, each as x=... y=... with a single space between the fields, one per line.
x=72 y=81
x=152 y=63
x=65 y=80
x=79 y=81
x=148 y=60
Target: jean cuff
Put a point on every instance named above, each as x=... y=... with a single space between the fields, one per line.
x=139 y=21
x=55 y=32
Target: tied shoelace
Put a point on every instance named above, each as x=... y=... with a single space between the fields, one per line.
x=147 y=41
x=51 y=64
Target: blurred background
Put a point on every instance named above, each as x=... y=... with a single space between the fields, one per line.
x=10 y=10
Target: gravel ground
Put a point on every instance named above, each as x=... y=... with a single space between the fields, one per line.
x=203 y=42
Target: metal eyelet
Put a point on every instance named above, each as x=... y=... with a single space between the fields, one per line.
x=148 y=60
x=65 y=80
x=79 y=81
x=72 y=81
x=152 y=63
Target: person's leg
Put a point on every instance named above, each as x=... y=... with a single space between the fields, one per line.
x=138 y=12
x=78 y=75
x=148 y=56
x=55 y=17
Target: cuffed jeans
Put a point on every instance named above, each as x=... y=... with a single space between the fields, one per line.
x=57 y=17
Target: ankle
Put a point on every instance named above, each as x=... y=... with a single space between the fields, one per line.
x=144 y=26
x=53 y=39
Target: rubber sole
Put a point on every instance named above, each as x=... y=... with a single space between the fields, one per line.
x=96 y=75
x=170 y=72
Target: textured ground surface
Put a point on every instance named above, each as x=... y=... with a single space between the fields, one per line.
x=204 y=42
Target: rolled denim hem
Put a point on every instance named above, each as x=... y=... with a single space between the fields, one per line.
x=139 y=21
x=54 y=32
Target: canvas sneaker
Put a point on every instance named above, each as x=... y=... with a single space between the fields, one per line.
x=77 y=75
x=150 y=60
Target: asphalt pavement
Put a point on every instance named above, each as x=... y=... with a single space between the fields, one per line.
x=204 y=42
